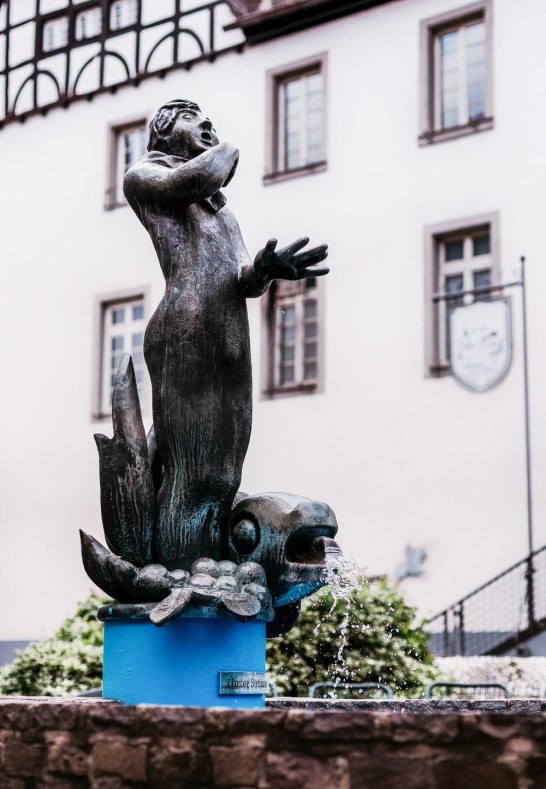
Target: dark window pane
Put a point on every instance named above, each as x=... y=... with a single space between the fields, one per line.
x=454 y=249
x=288 y=334
x=138 y=312
x=118 y=316
x=287 y=375
x=137 y=341
x=310 y=371
x=288 y=314
x=310 y=309
x=310 y=350
x=138 y=358
x=482 y=279
x=117 y=343
x=454 y=284
x=311 y=330
x=115 y=361
x=288 y=353
x=481 y=245
x=311 y=282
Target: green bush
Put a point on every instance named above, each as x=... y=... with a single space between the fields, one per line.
x=373 y=638
x=69 y=662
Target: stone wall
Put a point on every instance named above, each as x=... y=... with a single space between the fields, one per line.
x=91 y=743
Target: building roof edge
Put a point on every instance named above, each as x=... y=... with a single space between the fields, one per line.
x=260 y=20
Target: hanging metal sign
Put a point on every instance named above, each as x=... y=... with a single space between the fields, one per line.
x=480 y=343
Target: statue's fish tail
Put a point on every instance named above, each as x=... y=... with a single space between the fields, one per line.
x=127 y=488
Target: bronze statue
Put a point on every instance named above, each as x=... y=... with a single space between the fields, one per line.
x=166 y=501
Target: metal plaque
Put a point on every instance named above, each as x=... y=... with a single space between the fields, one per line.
x=480 y=343
x=238 y=683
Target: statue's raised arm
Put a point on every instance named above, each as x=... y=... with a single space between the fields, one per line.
x=169 y=180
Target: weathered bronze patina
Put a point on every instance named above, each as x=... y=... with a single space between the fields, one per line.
x=172 y=497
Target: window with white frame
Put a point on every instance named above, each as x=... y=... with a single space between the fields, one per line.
x=459 y=260
x=127 y=145
x=293 y=361
x=88 y=23
x=456 y=78
x=123 y=13
x=123 y=326
x=296 y=119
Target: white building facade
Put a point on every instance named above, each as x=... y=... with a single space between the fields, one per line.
x=408 y=135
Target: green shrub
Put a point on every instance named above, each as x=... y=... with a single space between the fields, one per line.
x=373 y=638
x=69 y=662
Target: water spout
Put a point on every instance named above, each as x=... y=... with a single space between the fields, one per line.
x=327 y=546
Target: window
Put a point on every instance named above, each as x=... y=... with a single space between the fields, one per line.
x=296 y=120
x=121 y=330
x=123 y=13
x=89 y=23
x=292 y=361
x=55 y=34
x=456 y=73
x=127 y=144
x=460 y=256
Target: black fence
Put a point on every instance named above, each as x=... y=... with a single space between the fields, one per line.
x=496 y=617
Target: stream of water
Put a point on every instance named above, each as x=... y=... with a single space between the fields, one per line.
x=343 y=577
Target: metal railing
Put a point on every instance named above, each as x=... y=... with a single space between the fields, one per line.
x=465 y=690
x=379 y=689
x=496 y=617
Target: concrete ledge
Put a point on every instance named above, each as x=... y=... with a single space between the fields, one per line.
x=421 y=706
x=104 y=745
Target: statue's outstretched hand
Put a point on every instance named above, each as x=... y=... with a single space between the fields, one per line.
x=286 y=264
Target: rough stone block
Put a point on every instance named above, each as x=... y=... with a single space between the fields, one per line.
x=23 y=759
x=11 y=783
x=61 y=716
x=63 y=756
x=108 y=782
x=342 y=726
x=245 y=721
x=465 y=772
x=414 y=727
x=120 y=756
x=236 y=766
x=535 y=771
x=176 y=762
x=500 y=727
x=50 y=781
x=388 y=771
x=187 y=722
x=290 y=770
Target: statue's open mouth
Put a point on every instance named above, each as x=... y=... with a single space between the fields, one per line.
x=308 y=545
x=206 y=136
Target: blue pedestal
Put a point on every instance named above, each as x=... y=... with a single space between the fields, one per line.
x=179 y=663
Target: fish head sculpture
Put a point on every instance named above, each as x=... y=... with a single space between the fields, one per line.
x=289 y=536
